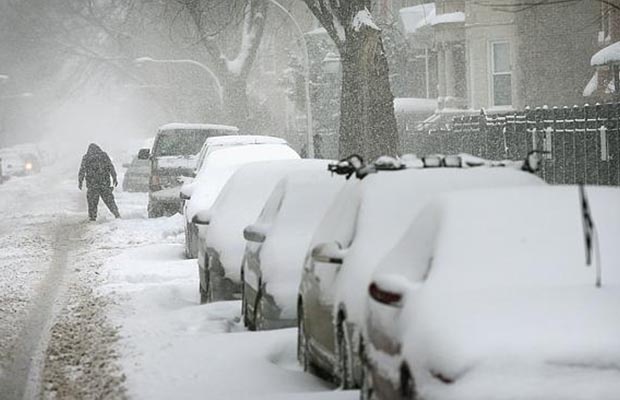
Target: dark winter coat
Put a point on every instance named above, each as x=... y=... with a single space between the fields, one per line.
x=97 y=168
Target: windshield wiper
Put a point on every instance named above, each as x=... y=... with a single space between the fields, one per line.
x=590 y=235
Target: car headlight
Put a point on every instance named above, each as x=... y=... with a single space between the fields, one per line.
x=28 y=166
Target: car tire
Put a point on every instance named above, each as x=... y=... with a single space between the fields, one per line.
x=302 y=342
x=345 y=363
x=209 y=290
x=407 y=383
x=367 y=391
x=258 y=309
x=203 y=295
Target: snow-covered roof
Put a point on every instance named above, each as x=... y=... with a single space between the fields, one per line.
x=608 y=55
x=448 y=18
x=591 y=86
x=405 y=105
x=243 y=139
x=413 y=18
x=190 y=126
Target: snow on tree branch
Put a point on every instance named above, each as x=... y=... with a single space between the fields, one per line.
x=364 y=19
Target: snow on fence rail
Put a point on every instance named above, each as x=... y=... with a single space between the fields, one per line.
x=583 y=142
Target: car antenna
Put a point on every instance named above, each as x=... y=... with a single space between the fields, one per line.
x=590 y=235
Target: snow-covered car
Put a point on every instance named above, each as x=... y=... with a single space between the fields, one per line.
x=214 y=168
x=489 y=293
x=172 y=157
x=365 y=220
x=277 y=245
x=222 y=242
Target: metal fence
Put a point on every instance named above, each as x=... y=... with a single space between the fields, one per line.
x=583 y=141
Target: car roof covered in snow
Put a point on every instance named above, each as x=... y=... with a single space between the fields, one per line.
x=517 y=236
x=243 y=139
x=179 y=126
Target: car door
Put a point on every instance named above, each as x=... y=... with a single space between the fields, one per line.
x=319 y=277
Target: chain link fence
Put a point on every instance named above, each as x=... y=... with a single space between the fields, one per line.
x=583 y=142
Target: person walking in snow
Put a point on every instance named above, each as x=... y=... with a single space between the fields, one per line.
x=97 y=169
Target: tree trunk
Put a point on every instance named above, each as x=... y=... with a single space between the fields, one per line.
x=236 y=108
x=367 y=122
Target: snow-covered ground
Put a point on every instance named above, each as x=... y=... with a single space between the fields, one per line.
x=111 y=309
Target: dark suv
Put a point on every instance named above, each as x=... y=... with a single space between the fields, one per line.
x=173 y=157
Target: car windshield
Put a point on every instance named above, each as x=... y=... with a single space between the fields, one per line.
x=181 y=142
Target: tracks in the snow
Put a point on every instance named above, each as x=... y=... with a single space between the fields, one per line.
x=21 y=380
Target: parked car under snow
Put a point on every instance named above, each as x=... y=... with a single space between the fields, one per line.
x=277 y=246
x=173 y=156
x=488 y=293
x=213 y=169
x=237 y=206
x=366 y=219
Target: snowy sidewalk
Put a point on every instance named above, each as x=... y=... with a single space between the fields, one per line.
x=173 y=347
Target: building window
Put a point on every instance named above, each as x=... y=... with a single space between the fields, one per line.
x=501 y=74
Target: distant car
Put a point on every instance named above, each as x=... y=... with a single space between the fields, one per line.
x=18 y=164
x=488 y=295
x=365 y=220
x=213 y=170
x=237 y=206
x=172 y=157
x=277 y=245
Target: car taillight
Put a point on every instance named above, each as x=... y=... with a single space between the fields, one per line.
x=155 y=183
x=384 y=296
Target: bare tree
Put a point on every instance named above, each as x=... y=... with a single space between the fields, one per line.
x=231 y=33
x=367 y=121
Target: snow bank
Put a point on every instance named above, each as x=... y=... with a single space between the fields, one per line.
x=305 y=197
x=219 y=166
x=608 y=55
x=172 y=347
x=240 y=203
x=509 y=298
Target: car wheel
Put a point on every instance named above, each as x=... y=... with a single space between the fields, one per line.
x=258 y=309
x=302 y=342
x=345 y=376
x=203 y=295
x=367 y=391
x=209 y=294
x=407 y=383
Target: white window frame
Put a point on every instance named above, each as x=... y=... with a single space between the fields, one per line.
x=493 y=74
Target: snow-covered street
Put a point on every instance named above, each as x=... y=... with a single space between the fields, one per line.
x=111 y=309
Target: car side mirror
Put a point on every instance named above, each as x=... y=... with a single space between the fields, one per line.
x=389 y=289
x=255 y=233
x=330 y=253
x=202 y=218
x=144 y=154
x=187 y=190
